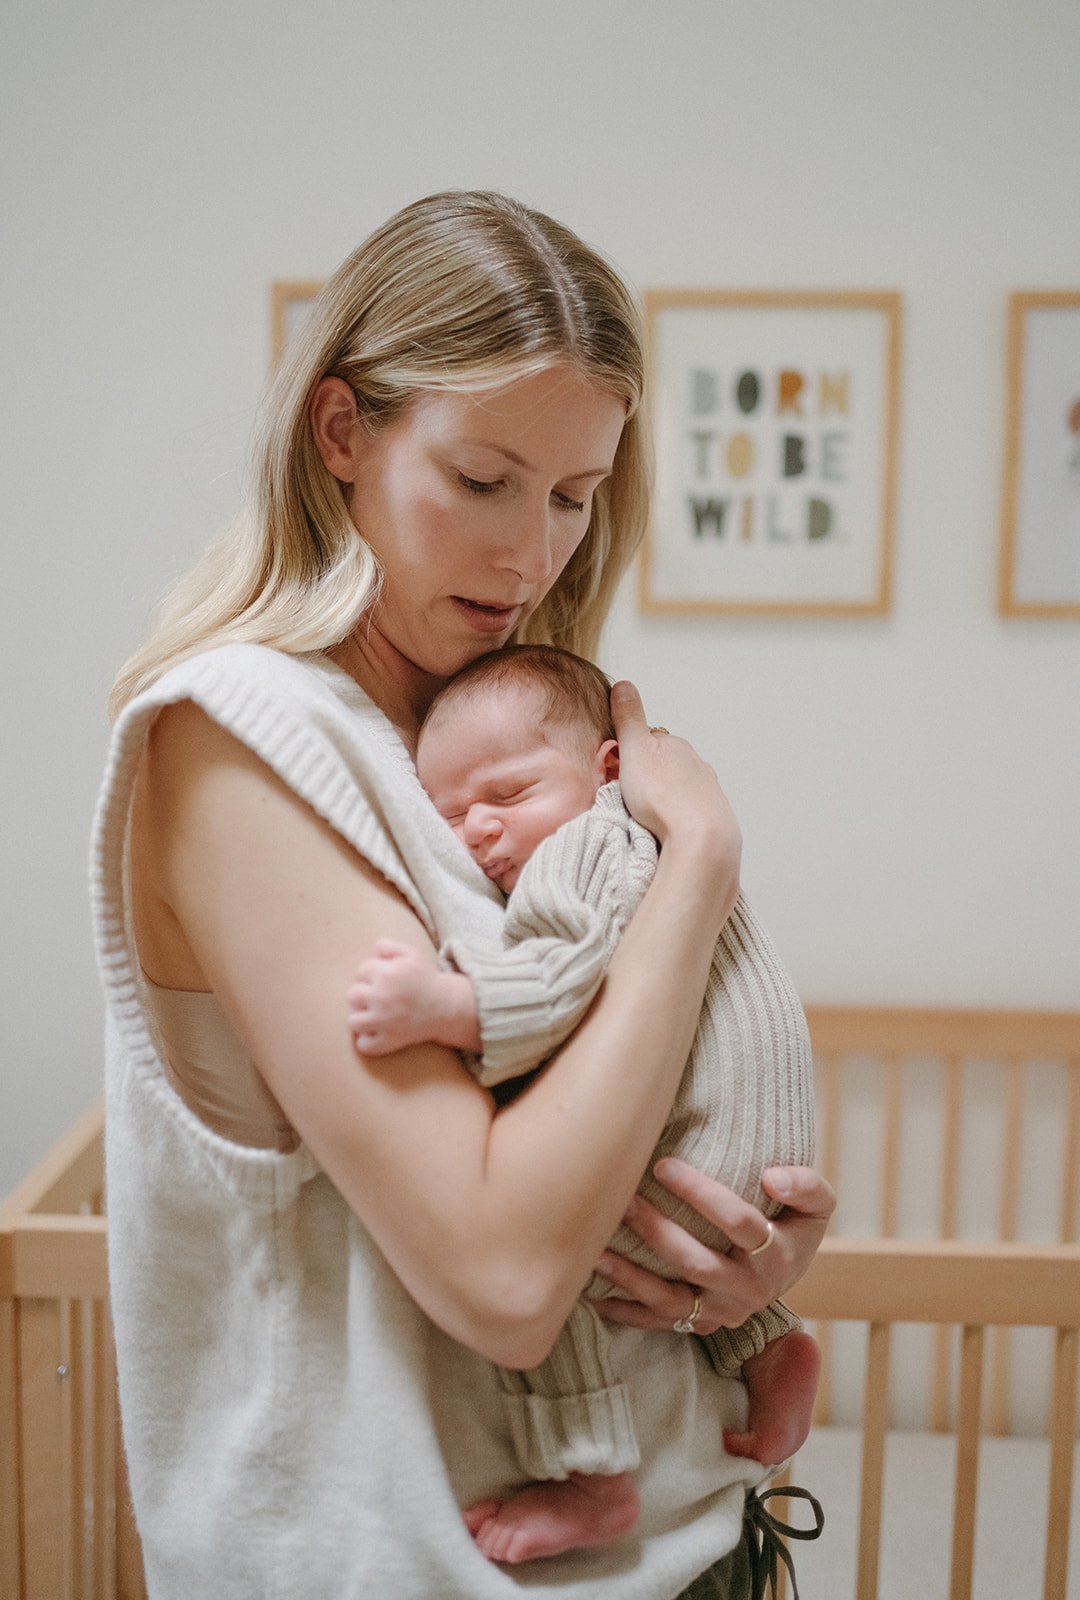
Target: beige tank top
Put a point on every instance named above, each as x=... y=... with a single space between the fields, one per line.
x=212 y=1072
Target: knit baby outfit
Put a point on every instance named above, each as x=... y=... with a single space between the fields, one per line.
x=745 y=1101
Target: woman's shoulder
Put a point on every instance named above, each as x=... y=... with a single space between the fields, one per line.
x=259 y=669
x=275 y=703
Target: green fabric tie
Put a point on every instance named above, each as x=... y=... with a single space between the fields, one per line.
x=764 y=1535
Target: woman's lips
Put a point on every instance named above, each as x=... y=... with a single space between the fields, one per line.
x=487 y=618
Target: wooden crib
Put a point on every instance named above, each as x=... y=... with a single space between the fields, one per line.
x=954 y=1139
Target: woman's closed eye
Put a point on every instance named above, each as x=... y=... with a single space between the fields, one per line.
x=565 y=502
x=478 y=485
x=568 y=503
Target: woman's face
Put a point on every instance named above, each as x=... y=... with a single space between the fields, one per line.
x=474 y=503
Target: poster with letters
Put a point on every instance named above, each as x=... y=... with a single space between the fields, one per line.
x=1040 y=532
x=775 y=419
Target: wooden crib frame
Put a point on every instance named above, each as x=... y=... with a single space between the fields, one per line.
x=66 y=1531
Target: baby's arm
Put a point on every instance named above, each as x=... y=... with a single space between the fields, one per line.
x=564 y=918
x=401 y=997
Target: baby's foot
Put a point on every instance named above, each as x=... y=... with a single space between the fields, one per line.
x=782 y=1382
x=548 y=1518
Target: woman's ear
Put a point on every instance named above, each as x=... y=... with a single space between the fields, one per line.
x=607 y=761
x=333 y=426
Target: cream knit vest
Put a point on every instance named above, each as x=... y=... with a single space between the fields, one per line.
x=296 y=1428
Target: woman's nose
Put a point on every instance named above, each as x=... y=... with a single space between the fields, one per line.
x=529 y=549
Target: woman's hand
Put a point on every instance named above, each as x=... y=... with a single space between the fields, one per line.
x=731 y=1287
x=671 y=791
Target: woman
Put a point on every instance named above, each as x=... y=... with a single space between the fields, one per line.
x=315 y=1257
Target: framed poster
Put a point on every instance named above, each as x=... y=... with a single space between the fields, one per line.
x=289 y=305
x=776 y=417
x=1040 y=520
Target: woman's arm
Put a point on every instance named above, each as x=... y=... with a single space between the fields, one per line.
x=735 y=1286
x=492 y=1220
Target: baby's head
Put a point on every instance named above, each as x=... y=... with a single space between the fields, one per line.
x=514 y=746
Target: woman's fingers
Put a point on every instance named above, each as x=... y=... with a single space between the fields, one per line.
x=644 y=1300
x=801 y=1189
x=683 y=1256
x=737 y=1218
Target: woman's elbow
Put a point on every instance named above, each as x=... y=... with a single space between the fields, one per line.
x=515 y=1321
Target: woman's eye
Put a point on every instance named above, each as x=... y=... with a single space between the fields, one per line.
x=569 y=504
x=477 y=485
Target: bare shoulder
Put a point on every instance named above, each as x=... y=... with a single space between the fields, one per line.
x=219 y=842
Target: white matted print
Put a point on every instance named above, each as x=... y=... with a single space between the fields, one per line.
x=289 y=305
x=1040 y=529
x=775 y=417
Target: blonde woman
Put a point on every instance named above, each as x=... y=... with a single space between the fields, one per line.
x=316 y=1258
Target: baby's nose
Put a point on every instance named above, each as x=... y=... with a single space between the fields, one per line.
x=481 y=824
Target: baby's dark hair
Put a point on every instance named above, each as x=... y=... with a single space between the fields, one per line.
x=576 y=693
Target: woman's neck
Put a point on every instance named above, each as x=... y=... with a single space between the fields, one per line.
x=400 y=689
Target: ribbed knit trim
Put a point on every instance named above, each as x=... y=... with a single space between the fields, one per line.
x=589 y=1432
x=729 y=1347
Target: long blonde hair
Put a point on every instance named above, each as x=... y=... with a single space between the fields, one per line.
x=460 y=292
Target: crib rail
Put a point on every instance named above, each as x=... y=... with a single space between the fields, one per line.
x=980 y=1071
x=66 y=1532
x=883 y=1282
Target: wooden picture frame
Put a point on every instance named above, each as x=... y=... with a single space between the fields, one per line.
x=290 y=302
x=776 y=415
x=1039 y=568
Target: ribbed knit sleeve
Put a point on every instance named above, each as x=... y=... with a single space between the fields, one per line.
x=564 y=919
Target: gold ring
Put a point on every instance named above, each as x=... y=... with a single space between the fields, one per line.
x=686 y=1324
x=765 y=1243
x=660 y=730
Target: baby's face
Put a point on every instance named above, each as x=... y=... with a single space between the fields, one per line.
x=503 y=780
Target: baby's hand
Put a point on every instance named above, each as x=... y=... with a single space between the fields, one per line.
x=400 y=997
x=387 y=1009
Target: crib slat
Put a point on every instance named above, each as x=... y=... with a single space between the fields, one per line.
x=967 y=1463
x=72 y=1398
x=875 y=1408
x=1013 y=1112
x=1070 y=1178
x=46 y=1482
x=10 y=1532
x=104 y=1452
x=950 y=1180
x=1062 y=1442
x=890 y=1144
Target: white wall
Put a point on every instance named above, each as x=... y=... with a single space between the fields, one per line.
x=909 y=787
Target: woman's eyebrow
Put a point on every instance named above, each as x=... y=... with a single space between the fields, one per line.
x=519 y=461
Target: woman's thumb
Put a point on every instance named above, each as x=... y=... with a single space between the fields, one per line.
x=627 y=711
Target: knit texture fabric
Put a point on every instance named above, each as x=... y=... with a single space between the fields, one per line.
x=295 y=1427
x=745 y=1101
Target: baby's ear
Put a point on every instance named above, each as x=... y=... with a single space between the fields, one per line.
x=607 y=761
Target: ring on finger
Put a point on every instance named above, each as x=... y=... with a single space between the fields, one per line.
x=659 y=730
x=765 y=1243
x=686 y=1324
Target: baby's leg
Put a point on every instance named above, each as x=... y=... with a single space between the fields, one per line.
x=548 y=1518
x=782 y=1382
x=574 y=1435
